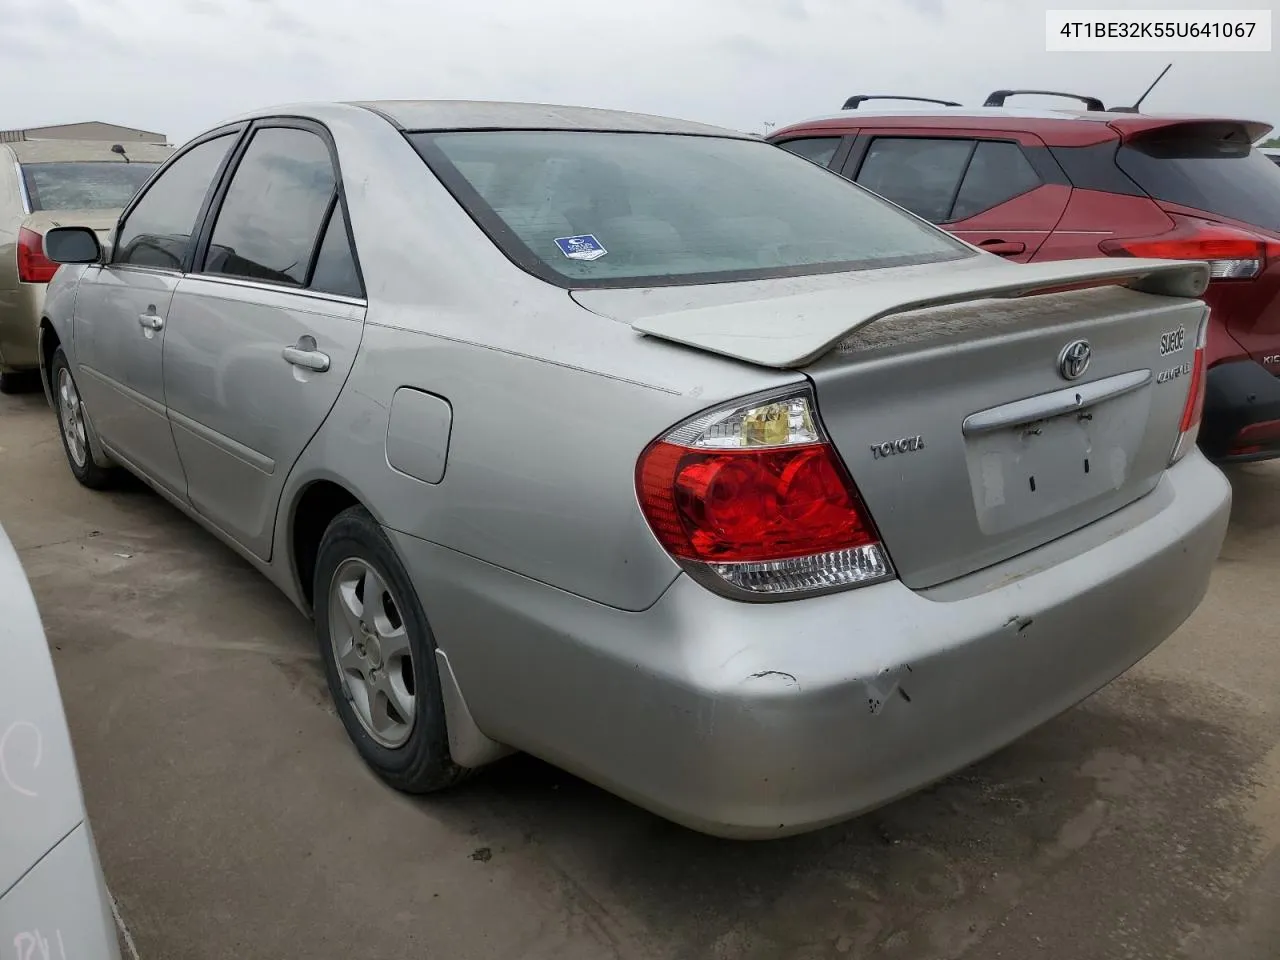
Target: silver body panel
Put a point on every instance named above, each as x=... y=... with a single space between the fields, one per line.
x=567 y=630
x=51 y=887
x=120 y=365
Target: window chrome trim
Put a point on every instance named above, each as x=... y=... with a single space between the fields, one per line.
x=277 y=288
x=22 y=188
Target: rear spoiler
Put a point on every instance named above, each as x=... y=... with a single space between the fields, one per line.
x=793 y=331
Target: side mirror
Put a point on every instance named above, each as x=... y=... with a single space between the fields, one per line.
x=72 y=245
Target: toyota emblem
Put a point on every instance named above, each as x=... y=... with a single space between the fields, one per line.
x=1074 y=359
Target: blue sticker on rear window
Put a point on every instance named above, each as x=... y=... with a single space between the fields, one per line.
x=583 y=247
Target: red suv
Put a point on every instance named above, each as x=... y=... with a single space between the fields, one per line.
x=1053 y=185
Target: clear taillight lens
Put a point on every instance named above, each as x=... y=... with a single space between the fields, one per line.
x=1233 y=254
x=1193 y=408
x=756 y=495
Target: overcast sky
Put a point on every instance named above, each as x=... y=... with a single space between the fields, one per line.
x=179 y=66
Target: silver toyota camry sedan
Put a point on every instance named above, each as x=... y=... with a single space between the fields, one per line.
x=644 y=447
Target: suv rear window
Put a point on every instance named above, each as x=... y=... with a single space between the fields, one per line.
x=1222 y=176
x=91 y=185
x=588 y=209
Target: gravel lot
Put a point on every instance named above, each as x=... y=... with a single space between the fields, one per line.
x=234 y=820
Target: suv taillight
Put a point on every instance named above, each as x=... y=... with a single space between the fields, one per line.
x=1193 y=406
x=33 y=265
x=755 y=495
x=1233 y=254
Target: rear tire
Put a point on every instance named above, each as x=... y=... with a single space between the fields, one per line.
x=74 y=426
x=380 y=657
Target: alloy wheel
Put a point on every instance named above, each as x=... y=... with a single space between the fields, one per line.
x=370 y=645
x=71 y=416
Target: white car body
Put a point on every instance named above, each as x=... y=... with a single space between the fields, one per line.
x=54 y=904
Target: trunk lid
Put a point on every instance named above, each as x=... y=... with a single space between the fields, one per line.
x=101 y=222
x=968 y=442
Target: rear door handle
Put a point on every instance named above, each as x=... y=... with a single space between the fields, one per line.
x=306 y=356
x=1005 y=248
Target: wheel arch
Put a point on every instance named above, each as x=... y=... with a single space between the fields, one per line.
x=47 y=343
x=314 y=505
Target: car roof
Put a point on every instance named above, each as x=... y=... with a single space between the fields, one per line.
x=487 y=114
x=439 y=115
x=83 y=151
x=1057 y=127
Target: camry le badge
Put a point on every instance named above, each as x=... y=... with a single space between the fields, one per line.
x=1074 y=359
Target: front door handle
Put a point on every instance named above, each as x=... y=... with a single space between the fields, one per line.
x=306 y=356
x=151 y=321
x=1005 y=248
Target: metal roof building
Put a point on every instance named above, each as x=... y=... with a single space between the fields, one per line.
x=89 y=130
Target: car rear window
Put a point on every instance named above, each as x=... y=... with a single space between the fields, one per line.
x=587 y=209
x=1217 y=175
x=93 y=185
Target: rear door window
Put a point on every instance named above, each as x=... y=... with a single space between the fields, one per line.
x=335 y=270
x=998 y=172
x=818 y=149
x=1219 y=176
x=270 y=221
x=921 y=174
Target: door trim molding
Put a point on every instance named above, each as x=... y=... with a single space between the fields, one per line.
x=155 y=406
x=246 y=455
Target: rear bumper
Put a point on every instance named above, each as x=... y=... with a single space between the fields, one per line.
x=761 y=720
x=1241 y=396
x=20 y=327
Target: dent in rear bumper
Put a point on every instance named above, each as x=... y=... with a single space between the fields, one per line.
x=61 y=908
x=763 y=720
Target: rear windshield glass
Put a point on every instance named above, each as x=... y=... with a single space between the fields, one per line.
x=1225 y=177
x=102 y=185
x=589 y=209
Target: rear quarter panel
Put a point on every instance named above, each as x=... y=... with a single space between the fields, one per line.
x=539 y=476
x=11 y=214
x=1093 y=216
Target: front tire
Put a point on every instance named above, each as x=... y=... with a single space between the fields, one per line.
x=74 y=426
x=380 y=657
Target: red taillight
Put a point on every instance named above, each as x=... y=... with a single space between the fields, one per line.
x=757 y=495
x=749 y=506
x=1193 y=406
x=1255 y=438
x=1233 y=254
x=33 y=265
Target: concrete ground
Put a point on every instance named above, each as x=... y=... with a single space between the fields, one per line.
x=234 y=820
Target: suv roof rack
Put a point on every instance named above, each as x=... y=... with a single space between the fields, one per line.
x=852 y=102
x=998 y=98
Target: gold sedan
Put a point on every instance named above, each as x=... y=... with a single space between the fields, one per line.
x=44 y=183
